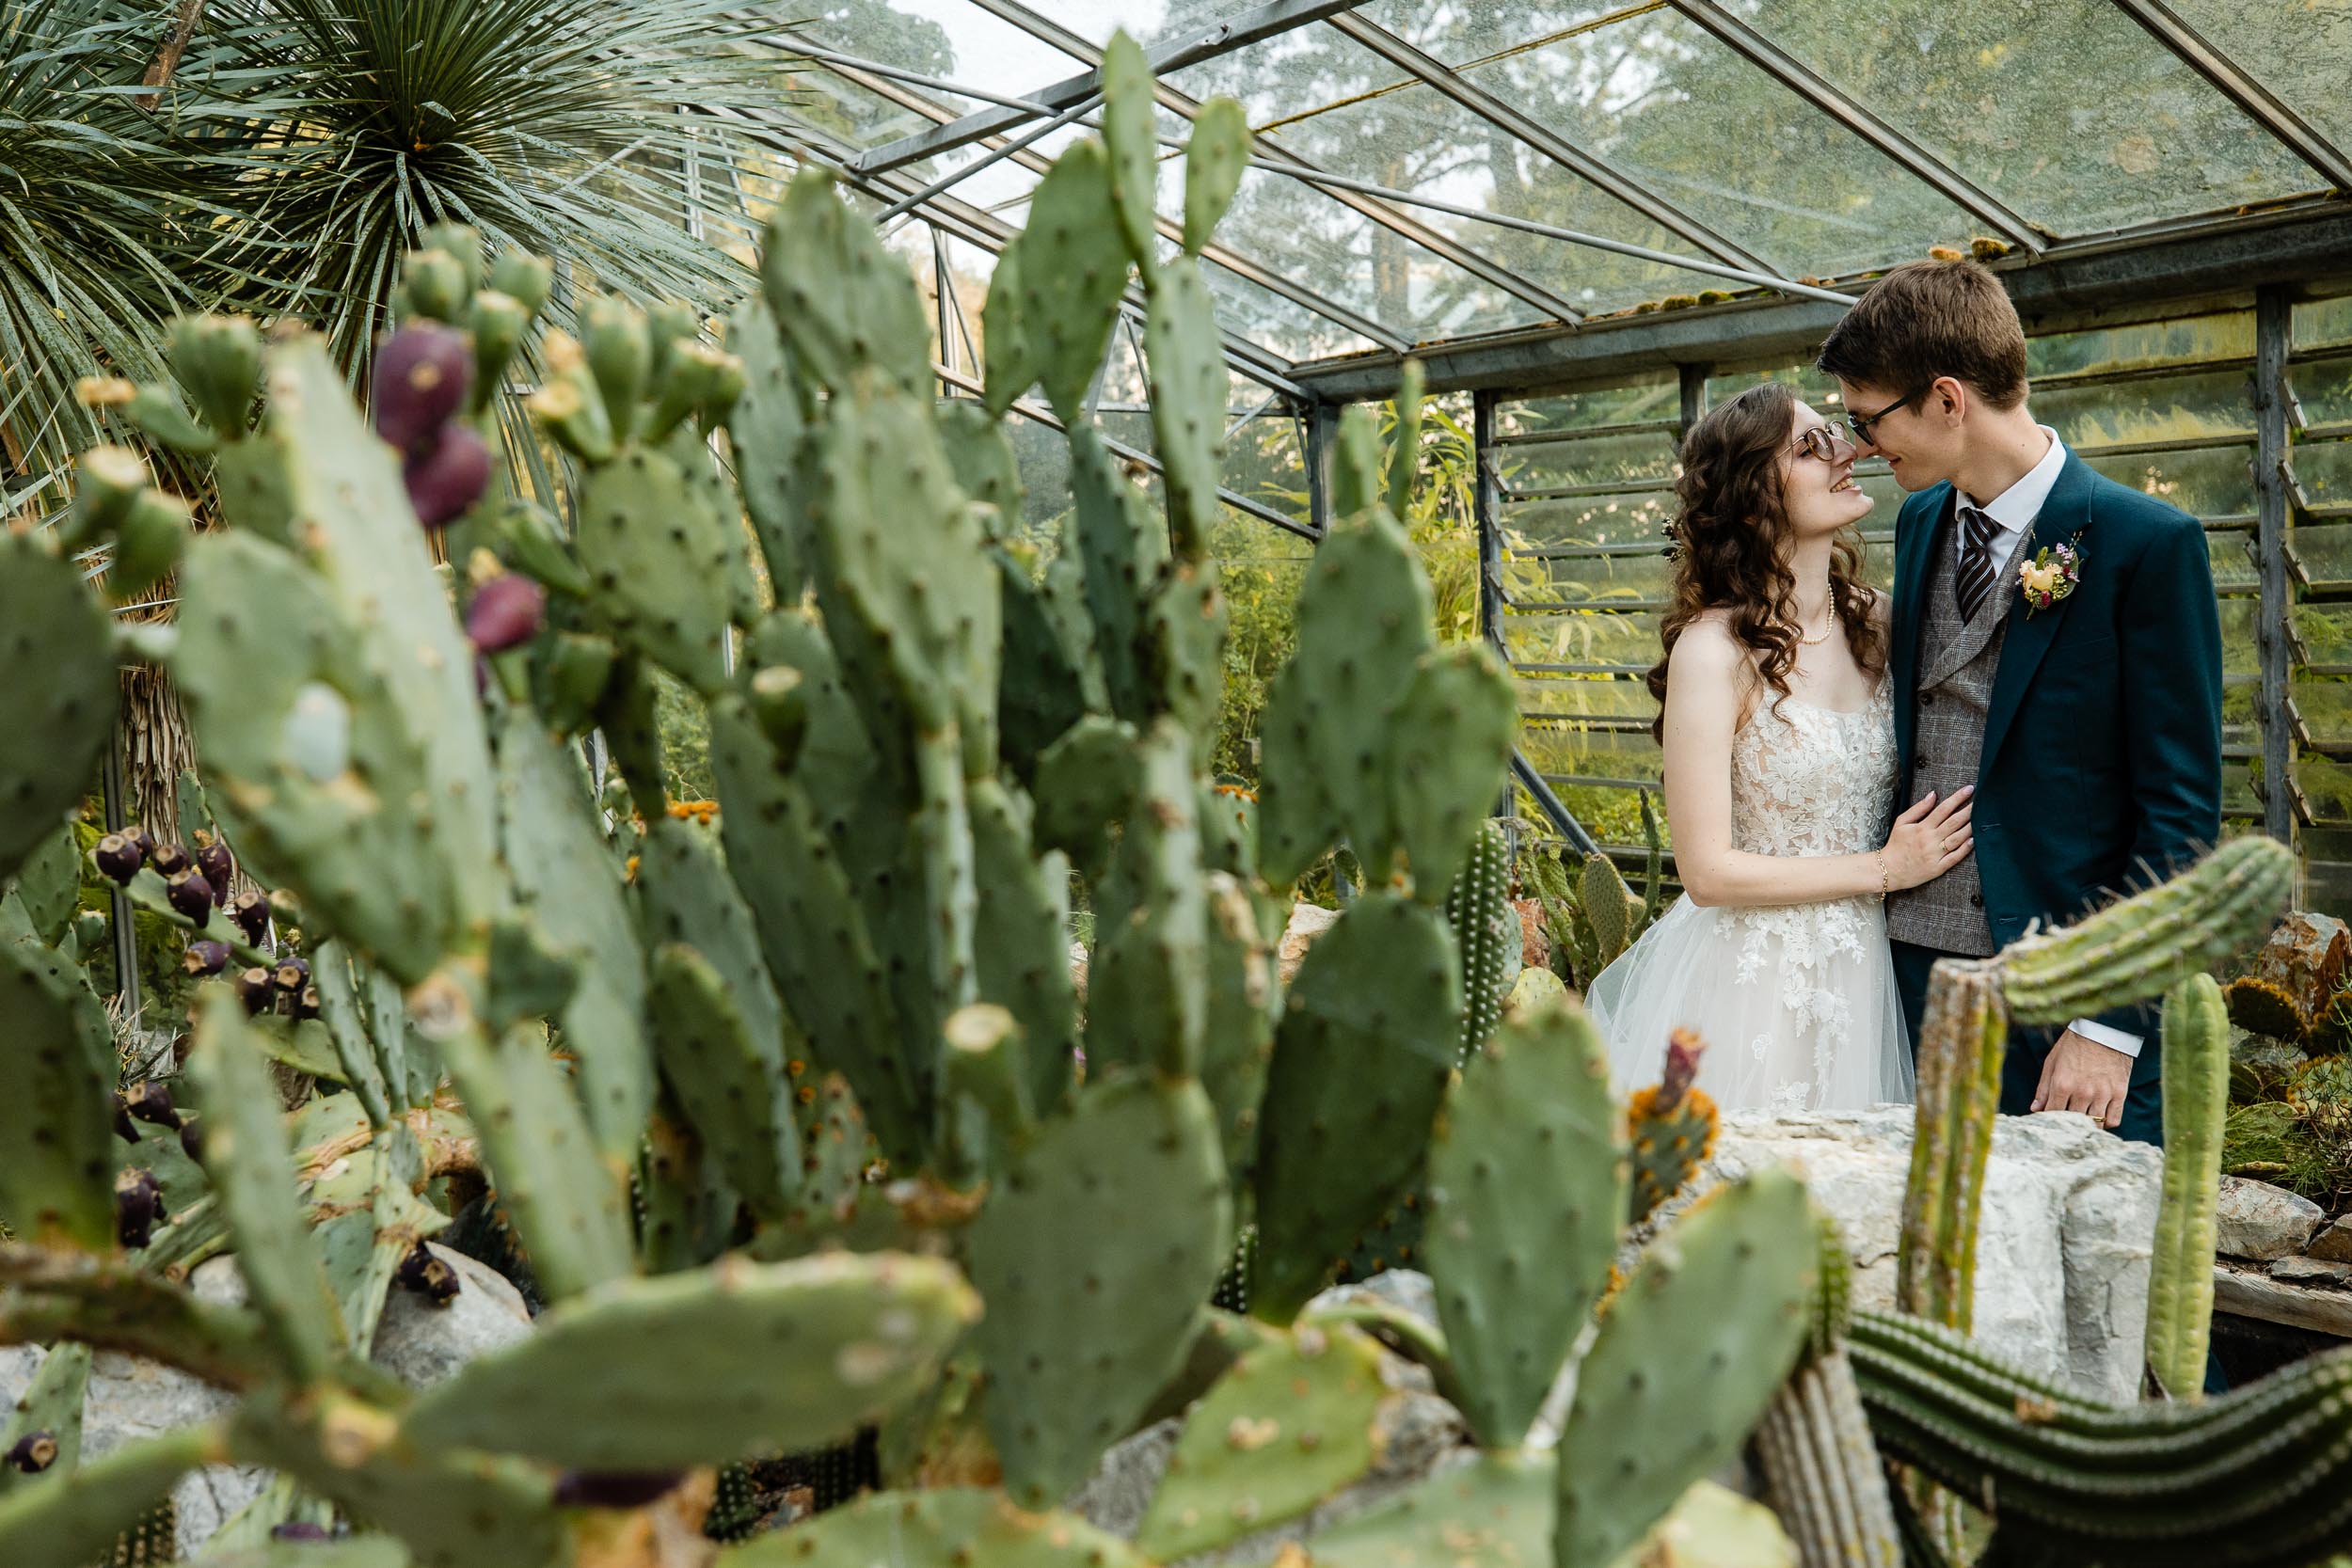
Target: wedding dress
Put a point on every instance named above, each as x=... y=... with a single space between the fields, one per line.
x=1796 y=1002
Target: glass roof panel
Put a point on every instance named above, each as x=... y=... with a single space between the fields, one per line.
x=2064 y=109
x=2300 y=50
x=1322 y=94
x=1652 y=95
x=952 y=38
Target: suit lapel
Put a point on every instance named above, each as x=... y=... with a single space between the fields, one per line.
x=2064 y=515
x=1915 y=539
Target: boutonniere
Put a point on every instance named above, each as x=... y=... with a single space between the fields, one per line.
x=2054 y=573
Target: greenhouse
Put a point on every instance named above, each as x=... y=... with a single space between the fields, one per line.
x=887 y=785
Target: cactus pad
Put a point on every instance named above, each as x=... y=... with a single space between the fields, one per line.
x=1188 y=392
x=1293 y=1422
x=57 y=1078
x=48 y=623
x=1072 y=272
x=951 y=1529
x=1527 y=1192
x=844 y=301
x=1497 y=1508
x=1083 y=1328
x=1214 y=163
x=728 y=1075
x=51 y=1405
x=658 y=557
x=1674 y=1381
x=756 y=1357
x=1360 y=1060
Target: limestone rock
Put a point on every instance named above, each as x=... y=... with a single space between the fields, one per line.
x=2259 y=1221
x=2070 y=1214
x=2306 y=955
x=2334 y=1241
x=2312 y=1271
x=1306 y=922
x=2248 y=1293
x=131 y=1399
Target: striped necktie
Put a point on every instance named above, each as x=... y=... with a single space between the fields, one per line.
x=1973 y=579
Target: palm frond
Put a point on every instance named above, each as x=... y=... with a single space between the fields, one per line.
x=96 y=203
x=557 y=126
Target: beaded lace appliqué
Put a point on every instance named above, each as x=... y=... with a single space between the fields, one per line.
x=1810 y=781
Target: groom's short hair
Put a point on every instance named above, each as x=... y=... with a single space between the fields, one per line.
x=1931 y=319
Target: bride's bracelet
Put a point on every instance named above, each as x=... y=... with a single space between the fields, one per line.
x=1882 y=873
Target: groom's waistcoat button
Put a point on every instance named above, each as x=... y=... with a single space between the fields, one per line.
x=1976 y=900
x=1927 y=699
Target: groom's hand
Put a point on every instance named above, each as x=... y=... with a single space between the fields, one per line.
x=2083 y=1075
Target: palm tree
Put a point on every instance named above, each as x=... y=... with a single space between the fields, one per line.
x=281 y=157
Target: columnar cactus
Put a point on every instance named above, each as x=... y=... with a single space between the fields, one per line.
x=2196 y=1044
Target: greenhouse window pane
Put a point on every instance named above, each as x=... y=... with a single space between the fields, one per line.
x=2181 y=340
x=2325 y=390
x=951 y=38
x=1338 y=105
x=1657 y=396
x=2164 y=408
x=2301 y=49
x=2323 y=324
x=1655 y=94
x=2062 y=109
x=1633 y=518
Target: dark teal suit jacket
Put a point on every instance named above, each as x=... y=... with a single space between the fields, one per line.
x=2102 y=763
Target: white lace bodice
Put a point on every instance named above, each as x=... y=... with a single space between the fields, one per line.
x=1813 y=780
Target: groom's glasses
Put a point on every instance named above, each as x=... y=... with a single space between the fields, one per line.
x=1822 y=441
x=1862 y=424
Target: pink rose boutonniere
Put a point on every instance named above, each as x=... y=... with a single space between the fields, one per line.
x=2054 y=573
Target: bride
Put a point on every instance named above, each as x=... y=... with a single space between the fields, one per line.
x=1778 y=729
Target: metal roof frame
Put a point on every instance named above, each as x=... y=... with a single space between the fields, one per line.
x=1788 y=72
x=1594 y=170
x=1232 y=260
x=2240 y=86
x=1236 y=32
x=1271 y=150
x=2070 y=286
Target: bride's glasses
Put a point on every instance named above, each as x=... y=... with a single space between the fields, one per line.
x=1822 y=441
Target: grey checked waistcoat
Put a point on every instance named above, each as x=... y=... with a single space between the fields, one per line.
x=1957 y=662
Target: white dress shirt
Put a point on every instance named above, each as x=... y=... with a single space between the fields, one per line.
x=2012 y=512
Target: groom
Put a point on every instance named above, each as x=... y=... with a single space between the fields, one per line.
x=2056 y=644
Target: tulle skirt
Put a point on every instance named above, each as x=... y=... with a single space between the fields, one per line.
x=1797 y=1005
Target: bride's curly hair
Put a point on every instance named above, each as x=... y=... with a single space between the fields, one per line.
x=1730 y=531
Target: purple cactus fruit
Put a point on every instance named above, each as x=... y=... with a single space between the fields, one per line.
x=192 y=1141
x=118 y=857
x=305 y=1003
x=430 y=1277
x=138 y=1204
x=140 y=839
x=168 y=860
x=422 y=373
x=256 y=990
x=191 y=894
x=506 y=611
x=205 y=958
x=249 y=914
x=298 y=1530
x=33 y=1453
x=124 y=1128
x=291 y=974
x=449 y=476
x=614 y=1488
x=218 y=865
x=151 y=1102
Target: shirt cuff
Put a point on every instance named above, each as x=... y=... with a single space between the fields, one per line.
x=2106 y=1034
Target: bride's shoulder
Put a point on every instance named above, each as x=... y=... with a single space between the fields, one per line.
x=1709 y=642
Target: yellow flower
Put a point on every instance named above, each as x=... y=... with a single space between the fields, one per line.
x=2043 y=579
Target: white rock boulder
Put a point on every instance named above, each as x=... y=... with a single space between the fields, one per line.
x=2070 y=1213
